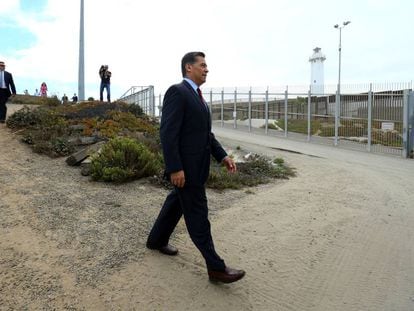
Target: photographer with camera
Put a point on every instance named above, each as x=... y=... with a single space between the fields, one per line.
x=105 y=75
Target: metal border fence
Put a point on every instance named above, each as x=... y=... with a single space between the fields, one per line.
x=142 y=96
x=368 y=117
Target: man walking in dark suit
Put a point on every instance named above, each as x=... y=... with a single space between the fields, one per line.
x=187 y=143
x=7 y=88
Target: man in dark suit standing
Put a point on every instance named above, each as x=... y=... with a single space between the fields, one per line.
x=187 y=143
x=7 y=88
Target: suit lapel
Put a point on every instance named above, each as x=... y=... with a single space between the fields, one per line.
x=196 y=97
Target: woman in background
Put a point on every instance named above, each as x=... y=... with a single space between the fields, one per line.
x=43 y=89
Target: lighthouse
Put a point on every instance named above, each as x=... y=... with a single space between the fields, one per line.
x=317 y=79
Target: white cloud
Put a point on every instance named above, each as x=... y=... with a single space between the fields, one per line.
x=260 y=42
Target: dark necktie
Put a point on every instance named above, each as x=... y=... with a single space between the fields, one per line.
x=201 y=98
x=200 y=95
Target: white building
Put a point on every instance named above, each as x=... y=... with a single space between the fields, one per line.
x=317 y=72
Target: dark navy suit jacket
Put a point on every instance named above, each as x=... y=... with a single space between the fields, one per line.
x=186 y=136
x=8 y=80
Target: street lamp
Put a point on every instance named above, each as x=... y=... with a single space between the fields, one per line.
x=339 y=51
x=338 y=92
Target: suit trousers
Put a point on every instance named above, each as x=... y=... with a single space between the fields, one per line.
x=4 y=96
x=192 y=203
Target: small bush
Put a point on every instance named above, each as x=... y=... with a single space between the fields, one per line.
x=38 y=117
x=136 y=110
x=387 y=138
x=55 y=147
x=300 y=126
x=279 y=161
x=123 y=159
x=127 y=120
x=45 y=130
x=24 y=117
x=34 y=100
x=62 y=147
x=257 y=171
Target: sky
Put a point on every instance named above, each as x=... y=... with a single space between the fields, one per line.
x=257 y=43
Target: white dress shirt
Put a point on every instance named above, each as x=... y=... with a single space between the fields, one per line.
x=2 y=82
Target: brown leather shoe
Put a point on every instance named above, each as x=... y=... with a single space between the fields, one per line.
x=168 y=250
x=229 y=275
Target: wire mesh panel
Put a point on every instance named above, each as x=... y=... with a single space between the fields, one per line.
x=142 y=96
x=353 y=121
x=363 y=116
x=387 y=122
x=322 y=118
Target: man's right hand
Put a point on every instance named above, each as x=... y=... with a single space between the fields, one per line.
x=178 y=179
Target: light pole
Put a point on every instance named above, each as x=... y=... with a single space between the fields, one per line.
x=81 y=76
x=339 y=51
x=338 y=92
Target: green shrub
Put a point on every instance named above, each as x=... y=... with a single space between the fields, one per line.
x=387 y=138
x=55 y=147
x=123 y=159
x=61 y=146
x=38 y=117
x=24 y=117
x=44 y=129
x=299 y=126
x=279 y=161
x=136 y=110
x=34 y=100
x=258 y=170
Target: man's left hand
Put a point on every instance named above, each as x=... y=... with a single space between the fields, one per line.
x=230 y=164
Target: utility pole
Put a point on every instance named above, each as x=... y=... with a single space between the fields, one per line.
x=81 y=77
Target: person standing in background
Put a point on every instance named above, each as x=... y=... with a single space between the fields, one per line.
x=43 y=89
x=64 y=99
x=74 y=98
x=105 y=75
x=7 y=89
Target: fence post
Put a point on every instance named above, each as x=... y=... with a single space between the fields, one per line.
x=405 y=152
x=222 y=107
x=211 y=104
x=309 y=114
x=410 y=127
x=159 y=104
x=235 y=109
x=267 y=110
x=369 y=118
x=151 y=100
x=337 y=99
x=250 y=110
x=286 y=111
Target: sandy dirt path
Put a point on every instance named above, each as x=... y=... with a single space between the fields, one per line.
x=339 y=236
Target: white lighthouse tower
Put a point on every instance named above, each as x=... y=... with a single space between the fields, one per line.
x=317 y=72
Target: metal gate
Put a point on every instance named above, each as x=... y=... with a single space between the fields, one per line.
x=409 y=127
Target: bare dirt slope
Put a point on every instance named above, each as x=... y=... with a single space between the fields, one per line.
x=339 y=236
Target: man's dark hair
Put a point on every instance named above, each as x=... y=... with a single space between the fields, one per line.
x=190 y=58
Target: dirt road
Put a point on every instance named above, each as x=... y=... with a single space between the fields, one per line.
x=339 y=236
